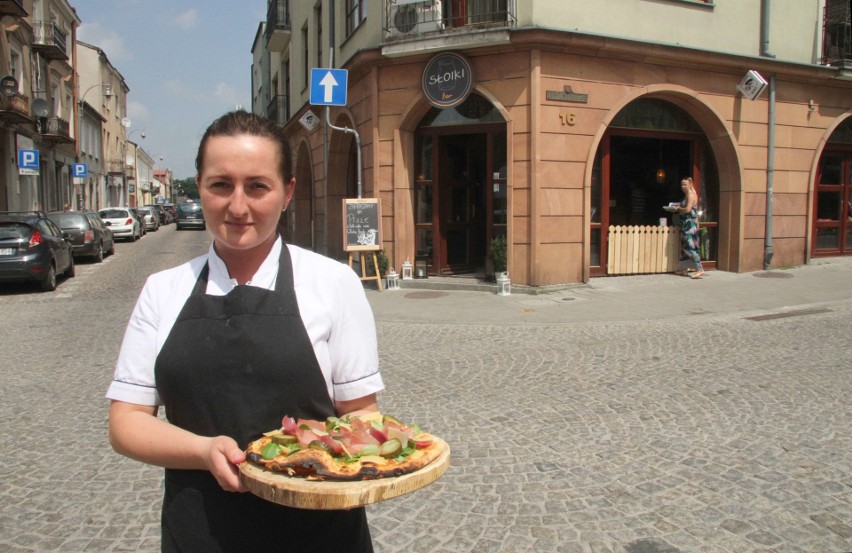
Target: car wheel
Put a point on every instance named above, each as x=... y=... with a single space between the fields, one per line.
x=133 y=236
x=111 y=250
x=49 y=282
x=99 y=256
x=71 y=271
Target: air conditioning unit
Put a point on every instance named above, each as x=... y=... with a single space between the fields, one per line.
x=412 y=17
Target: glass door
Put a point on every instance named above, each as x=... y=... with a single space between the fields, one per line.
x=832 y=232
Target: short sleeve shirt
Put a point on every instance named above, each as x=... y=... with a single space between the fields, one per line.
x=332 y=304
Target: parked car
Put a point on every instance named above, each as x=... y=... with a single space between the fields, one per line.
x=32 y=247
x=161 y=213
x=171 y=210
x=139 y=217
x=189 y=215
x=121 y=222
x=150 y=218
x=89 y=236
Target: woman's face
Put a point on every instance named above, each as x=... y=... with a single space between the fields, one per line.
x=242 y=192
x=684 y=185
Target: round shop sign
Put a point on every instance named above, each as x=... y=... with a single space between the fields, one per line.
x=447 y=80
x=9 y=86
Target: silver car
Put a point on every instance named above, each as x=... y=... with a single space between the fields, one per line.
x=152 y=221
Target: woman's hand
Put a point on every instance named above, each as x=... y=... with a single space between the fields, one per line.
x=135 y=431
x=223 y=457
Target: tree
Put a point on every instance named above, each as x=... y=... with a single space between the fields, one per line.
x=188 y=187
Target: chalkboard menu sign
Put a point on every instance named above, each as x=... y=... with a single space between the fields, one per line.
x=362 y=224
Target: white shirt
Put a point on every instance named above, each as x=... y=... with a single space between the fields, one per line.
x=332 y=305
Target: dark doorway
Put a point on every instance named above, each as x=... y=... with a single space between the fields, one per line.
x=461 y=189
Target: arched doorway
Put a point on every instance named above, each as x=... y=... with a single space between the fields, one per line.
x=647 y=149
x=832 y=207
x=299 y=217
x=460 y=198
x=342 y=183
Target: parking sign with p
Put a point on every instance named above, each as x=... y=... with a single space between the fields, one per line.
x=81 y=170
x=28 y=162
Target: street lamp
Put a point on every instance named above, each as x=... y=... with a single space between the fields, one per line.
x=107 y=92
x=141 y=134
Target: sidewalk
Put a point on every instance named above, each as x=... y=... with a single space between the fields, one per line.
x=628 y=298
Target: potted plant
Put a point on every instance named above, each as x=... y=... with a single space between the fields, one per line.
x=384 y=262
x=499 y=255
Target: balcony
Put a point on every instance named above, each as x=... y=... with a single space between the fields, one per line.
x=56 y=130
x=115 y=165
x=439 y=23
x=277 y=25
x=837 y=36
x=12 y=7
x=49 y=39
x=15 y=110
x=278 y=109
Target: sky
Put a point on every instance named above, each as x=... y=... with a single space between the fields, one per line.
x=186 y=63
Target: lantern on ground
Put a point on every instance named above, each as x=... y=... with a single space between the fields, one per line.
x=504 y=285
x=407 y=269
x=392 y=279
x=421 y=266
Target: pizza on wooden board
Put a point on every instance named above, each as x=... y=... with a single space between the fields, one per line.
x=351 y=448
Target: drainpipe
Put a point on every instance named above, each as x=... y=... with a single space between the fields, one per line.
x=770 y=175
x=765 y=8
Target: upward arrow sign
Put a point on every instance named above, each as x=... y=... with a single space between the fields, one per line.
x=328 y=83
x=328 y=87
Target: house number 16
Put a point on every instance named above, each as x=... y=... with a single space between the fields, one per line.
x=567 y=119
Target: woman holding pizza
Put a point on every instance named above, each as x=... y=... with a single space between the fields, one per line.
x=232 y=341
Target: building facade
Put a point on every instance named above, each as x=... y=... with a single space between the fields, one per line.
x=566 y=126
x=37 y=106
x=102 y=91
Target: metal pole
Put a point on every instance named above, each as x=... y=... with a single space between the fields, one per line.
x=357 y=146
x=770 y=176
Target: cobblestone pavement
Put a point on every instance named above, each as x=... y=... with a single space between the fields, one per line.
x=704 y=433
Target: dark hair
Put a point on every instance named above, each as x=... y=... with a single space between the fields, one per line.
x=242 y=122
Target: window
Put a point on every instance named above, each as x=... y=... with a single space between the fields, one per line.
x=318 y=15
x=15 y=67
x=356 y=12
x=305 y=62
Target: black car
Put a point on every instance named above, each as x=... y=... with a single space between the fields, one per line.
x=139 y=215
x=89 y=235
x=189 y=215
x=32 y=247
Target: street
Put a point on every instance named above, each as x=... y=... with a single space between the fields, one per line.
x=703 y=433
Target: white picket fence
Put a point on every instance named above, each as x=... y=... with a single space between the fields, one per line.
x=642 y=249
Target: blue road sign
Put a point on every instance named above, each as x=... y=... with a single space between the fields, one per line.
x=328 y=87
x=28 y=159
x=81 y=170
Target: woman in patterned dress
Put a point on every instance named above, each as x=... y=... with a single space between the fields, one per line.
x=689 y=227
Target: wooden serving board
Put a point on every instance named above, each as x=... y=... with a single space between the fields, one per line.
x=324 y=495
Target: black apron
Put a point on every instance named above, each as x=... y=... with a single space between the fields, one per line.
x=234 y=365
